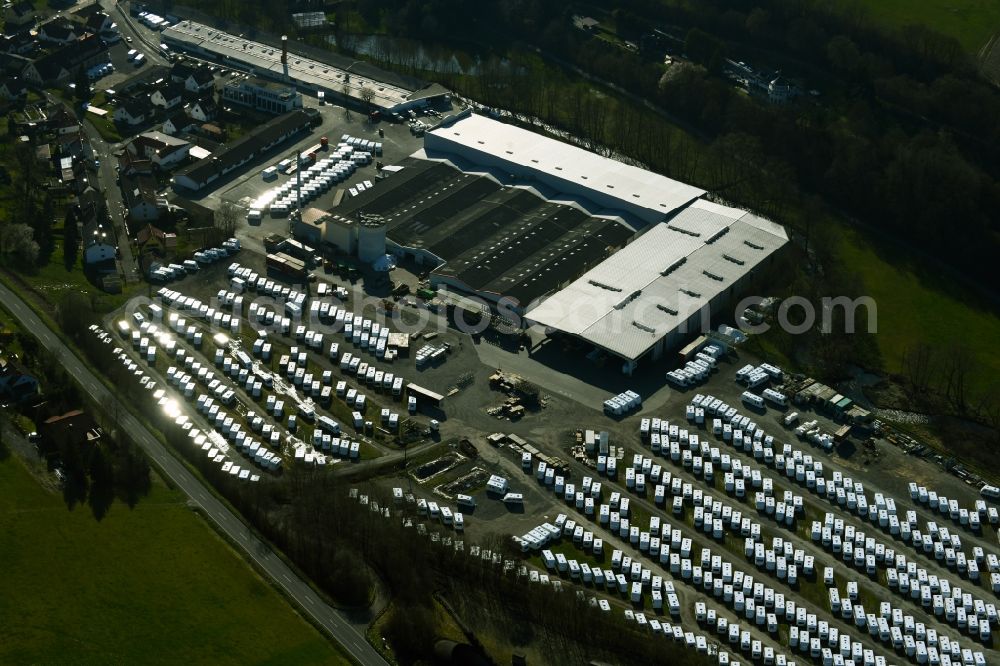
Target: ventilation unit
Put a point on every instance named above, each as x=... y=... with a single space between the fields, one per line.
x=692 y=294
x=718 y=234
x=673 y=267
x=738 y=262
x=667 y=309
x=603 y=286
x=643 y=327
x=715 y=277
x=753 y=245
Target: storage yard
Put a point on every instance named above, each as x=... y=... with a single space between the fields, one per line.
x=717 y=501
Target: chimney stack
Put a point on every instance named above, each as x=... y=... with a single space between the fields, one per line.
x=284 y=50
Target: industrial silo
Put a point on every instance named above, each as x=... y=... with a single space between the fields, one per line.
x=371 y=240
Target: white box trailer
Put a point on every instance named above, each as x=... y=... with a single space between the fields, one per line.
x=752 y=399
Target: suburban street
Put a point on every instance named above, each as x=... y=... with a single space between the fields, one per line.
x=334 y=622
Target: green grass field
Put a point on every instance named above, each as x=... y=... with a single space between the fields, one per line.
x=149 y=585
x=915 y=308
x=971 y=22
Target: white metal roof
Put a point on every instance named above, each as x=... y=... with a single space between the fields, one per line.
x=649 y=194
x=266 y=60
x=643 y=292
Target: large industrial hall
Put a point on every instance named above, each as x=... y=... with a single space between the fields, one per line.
x=653 y=295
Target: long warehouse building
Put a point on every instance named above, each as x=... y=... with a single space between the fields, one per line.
x=349 y=81
x=660 y=289
x=600 y=184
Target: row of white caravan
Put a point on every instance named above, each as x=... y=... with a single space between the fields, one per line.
x=965 y=517
x=697 y=368
x=448 y=517
x=713 y=574
x=623 y=403
x=904 y=632
x=367 y=145
x=850 y=495
x=430 y=354
x=316 y=179
x=754 y=376
x=947 y=599
x=211 y=443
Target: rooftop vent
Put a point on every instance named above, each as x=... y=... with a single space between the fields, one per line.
x=692 y=294
x=628 y=299
x=668 y=310
x=718 y=234
x=643 y=327
x=738 y=262
x=753 y=245
x=673 y=267
x=686 y=232
x=713 y=276
x=603 y=286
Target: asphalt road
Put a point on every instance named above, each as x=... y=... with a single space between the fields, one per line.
x=333 y=621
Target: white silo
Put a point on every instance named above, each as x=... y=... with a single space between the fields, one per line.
x=371 y=240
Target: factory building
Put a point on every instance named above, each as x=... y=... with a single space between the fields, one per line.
x=663 y=287
x=341 y=79
x=599 y=184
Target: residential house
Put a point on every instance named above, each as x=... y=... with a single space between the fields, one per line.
x=99 y=23
x=99 y=245
x=54 y=69
x=163 y=150
x=168 y=96
x=133 y=111
x=16 y=384
x=780 y=89
x=177 y=123
x=204 y=110
x=70 y=144
x=139 y=193
x=262 y=95
x=59 y=31
x=180 y=72
x=21 y=43
x=19 y=16
x=161 y=240
x=200 y=80
x=12 y=88
x=75 y=428
x=134 y=165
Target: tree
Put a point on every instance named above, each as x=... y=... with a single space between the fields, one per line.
x=227 y=218
x=367 y=94
x=71 y=238
x=17 y=244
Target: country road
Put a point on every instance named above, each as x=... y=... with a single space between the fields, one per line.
x=334 y=622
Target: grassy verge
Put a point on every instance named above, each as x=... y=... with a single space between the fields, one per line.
x=917 y=307
x=971 y=22
x=74 y=586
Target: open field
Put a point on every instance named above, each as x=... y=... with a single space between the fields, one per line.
x=150 y=584
x=971 y=22
x=915 y=308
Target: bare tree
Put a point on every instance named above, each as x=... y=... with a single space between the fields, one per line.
x=367 y=95
x=227 y=218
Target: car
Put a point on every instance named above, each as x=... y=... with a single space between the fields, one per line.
x=128 y=39
x=97 y=163
x=34 y=437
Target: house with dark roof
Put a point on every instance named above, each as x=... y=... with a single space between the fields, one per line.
x=248 y=147
x=180 y=72
x=70 y=144
x=168 y=96
x=133 y=111
x=204 y=110
x=130 y=164
x=176 y=123
x=139 y=193
x=21 y=43
x=99 y=245
x=60 y=31
x=200 y=80
x=16 y=384
x=153 y=234
x=12 y=88
x=19 y=16
x=76 y=428
x=55 y=68
x=98 y=23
